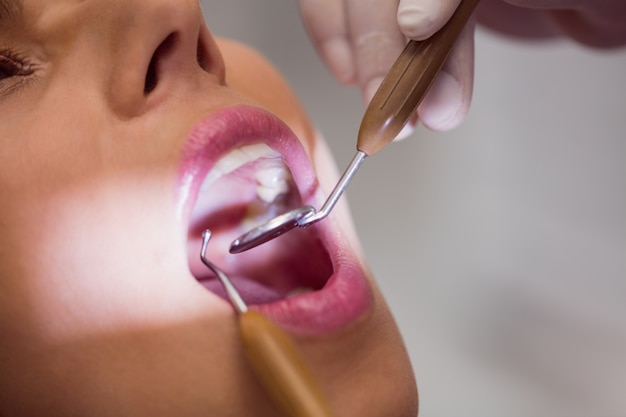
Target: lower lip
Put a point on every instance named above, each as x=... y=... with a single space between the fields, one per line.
x=343 y=301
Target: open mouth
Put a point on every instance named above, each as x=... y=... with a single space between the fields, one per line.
x=246 y=187
x=241 y=167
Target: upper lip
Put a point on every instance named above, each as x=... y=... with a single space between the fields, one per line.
x=346 y=296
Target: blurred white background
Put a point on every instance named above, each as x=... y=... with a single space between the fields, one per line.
x=501 y=246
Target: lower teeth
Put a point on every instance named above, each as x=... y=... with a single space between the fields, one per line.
x=299 y=291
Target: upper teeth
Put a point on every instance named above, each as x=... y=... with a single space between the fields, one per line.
x=271 y=174
x=272 y=183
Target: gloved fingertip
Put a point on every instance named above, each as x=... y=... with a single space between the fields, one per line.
x=415 y=21
x=442 y=108
x=338 y=56
x=406 y=131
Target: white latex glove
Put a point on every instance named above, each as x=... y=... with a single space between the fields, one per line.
x=360 y=39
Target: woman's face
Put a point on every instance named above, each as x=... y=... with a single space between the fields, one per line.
x=127 y=129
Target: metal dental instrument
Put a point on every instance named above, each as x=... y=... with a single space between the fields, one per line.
x=273 y=356
x=394 y=103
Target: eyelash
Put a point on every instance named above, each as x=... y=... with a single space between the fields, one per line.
x=13 y=65
x=15 y=72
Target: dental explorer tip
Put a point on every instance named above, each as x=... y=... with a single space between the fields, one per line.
x=206 y=236
x=231 y=291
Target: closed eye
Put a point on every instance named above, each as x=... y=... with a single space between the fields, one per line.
x=15 y=72
x=11 y=65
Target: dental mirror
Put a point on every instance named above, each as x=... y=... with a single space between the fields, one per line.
x=271 y=229
x=300 y=217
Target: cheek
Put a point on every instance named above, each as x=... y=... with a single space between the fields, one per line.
x=48 y=149
x=124 y=267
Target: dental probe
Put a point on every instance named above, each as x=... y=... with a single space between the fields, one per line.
x=397 y=98
x=273 y=356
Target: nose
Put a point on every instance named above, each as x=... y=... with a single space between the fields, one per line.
x=159 y=47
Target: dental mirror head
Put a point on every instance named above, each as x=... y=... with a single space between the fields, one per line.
x=271 y=229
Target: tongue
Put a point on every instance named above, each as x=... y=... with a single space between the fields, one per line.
x=252 y=292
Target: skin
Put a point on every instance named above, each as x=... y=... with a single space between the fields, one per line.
x=98 y=315
x=360 y=39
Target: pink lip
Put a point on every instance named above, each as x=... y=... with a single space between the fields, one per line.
x=346 y=297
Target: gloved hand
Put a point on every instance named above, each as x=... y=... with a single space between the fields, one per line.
x=360 y=39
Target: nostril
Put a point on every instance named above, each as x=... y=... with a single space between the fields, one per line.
x=152 y=74
x=208 y=54
x=151 y=77
x=203 y=56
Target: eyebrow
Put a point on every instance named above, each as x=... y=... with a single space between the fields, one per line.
x=10 y=10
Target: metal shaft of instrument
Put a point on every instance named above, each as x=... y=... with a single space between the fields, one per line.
x=337 y=192
x=230 y=289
